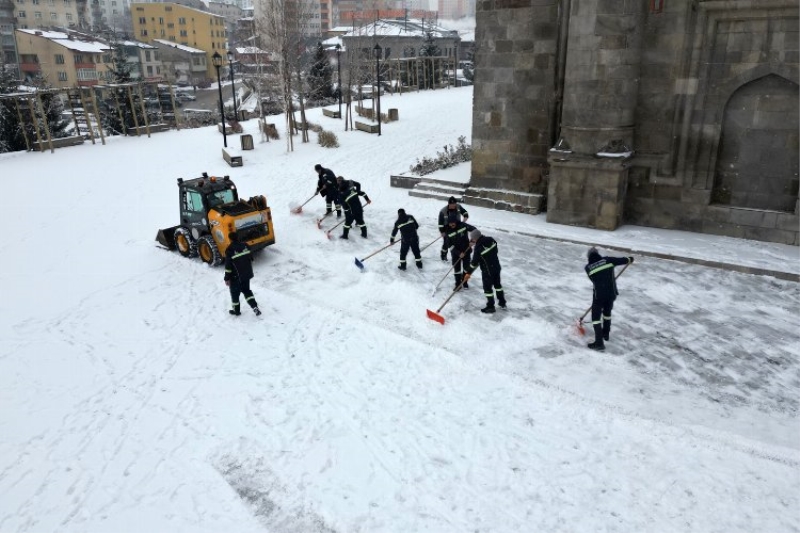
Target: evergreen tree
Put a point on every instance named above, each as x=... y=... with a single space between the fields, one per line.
x=320 y=76
x=53 y=108
x=429 y=49
x=10 y=132
x=469 y=71
x=120 y=73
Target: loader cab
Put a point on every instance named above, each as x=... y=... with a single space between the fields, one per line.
x=197 y=196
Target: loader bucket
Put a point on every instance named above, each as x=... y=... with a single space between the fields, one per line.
x=166 y=237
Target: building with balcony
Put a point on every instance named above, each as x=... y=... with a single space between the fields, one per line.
x=61 y=59
x=181 y=64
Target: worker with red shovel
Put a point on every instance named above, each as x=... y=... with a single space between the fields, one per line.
x=456 y=239
x=484 y=255
x=601 y=271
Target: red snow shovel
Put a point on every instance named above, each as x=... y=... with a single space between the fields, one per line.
x=328 y=233
x=579 y=323
x=319 y=220
x=360 y=265
x=436 y=316
x=299 y=209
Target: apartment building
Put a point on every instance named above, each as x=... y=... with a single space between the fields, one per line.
x=43 y=14
x=183 y=64
x=181 y=25
x=62 y=59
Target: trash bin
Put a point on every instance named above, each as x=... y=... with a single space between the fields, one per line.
x=247 y=141
x=394 y=114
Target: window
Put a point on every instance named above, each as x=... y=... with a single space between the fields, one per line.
x=161 y=21
x=69 y=16
x=20 y=1
x=193 y=201
x=86 y=74
x=67 y=2
x=106 y=58
x=62 y=76
x=182 y=21
x=78 y=58
x=170 y=25
x=53 y=16
x=149 y=70
x=147 y=55
x=142 y=20
x=183 y=33
x=21 y=15
x=37 y=15
x=143 y=33
x=158 y=70
x=163 y=33
x=59 y=59
x=140 y=9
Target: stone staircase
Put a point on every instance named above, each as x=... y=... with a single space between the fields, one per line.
x=424 y=187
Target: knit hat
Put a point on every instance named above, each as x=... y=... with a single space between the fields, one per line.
x=451 y=200
x=474 y=235
x=401 y=212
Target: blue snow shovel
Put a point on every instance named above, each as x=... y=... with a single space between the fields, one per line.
x=360 y=265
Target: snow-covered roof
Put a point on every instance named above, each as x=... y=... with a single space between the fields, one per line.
x=64 y=40
x=183 y=47
x=138 y=44
x=399 y=28
x=250 y=50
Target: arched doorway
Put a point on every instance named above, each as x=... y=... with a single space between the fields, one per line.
x=757 y=167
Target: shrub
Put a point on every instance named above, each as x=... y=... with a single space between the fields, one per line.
x=327 y=139
x=451 y=156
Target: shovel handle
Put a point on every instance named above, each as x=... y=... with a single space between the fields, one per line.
x=451 y=295
x=379 y=250
x=433 y=241
x=580 y=320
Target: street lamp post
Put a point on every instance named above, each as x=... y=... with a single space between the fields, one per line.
x=233 y=85
x=378 y=76
x=339 y=75
x=216 y=60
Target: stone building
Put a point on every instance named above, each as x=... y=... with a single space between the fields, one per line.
x=678 y=114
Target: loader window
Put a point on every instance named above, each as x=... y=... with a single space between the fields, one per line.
x=194 y=201
x=220 y=197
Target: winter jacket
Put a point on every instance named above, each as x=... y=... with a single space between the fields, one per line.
x=326 y=184
x=443 y=215
x=601 y=271
x=238 y=262
x=350 y=199
x=457 y=237
x=407 y=226
x=484 y=255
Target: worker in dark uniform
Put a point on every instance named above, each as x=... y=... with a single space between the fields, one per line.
x=350 y=192
x=327 y=188
x=238 y=273
x=456 y=239
x=601 y=271
x=484 y=255
x=407 y=226
x=451 y=207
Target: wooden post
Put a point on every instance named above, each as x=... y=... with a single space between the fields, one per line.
x=144 y=110
x=44 y=121
x=97 y=118
x=22 y=124
x=133 y=110
x=174 y=107
x=86 y=114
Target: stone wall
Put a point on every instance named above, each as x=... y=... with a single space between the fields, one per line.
x=703 y=92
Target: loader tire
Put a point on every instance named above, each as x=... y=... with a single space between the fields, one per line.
x=208 y=251
x=185 y=243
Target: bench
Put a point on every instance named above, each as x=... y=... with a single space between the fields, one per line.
x=154 y=128
x=62 y=142
x=364 y=112
x=331 y=113
x=232 y=157
x=369 y=128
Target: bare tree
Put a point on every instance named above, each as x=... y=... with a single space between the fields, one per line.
x=286 y=25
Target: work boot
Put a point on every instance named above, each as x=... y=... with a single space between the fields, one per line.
x=235 y=312
x=501 y=302
x=597 y=345
x=606 y=329
x=466 y=285
x=402 y=267
x=364 y=232
x=488 y=309
x=257 y=311
x=338 y=214
x=345 y=231
x=328 y=211
x=419 y=263
x=458 y=280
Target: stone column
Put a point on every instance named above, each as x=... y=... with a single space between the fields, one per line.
x=597 y=123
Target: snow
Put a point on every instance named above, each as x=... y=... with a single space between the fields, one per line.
x=132 y=402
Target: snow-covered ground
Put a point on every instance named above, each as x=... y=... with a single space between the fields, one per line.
x=130 y=401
